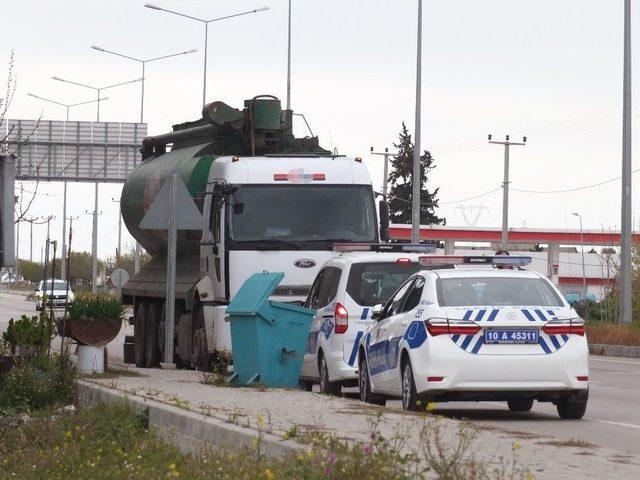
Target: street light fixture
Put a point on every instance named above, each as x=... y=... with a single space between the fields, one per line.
x=584 y=275
x=97 y=89
x=206 y=33
x=67 y=105
x=94 y=233
x=143 y=61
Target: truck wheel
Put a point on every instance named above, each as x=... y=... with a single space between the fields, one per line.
x=161 y=330
x=139 y=333
x=151 y=334
x=199 y=350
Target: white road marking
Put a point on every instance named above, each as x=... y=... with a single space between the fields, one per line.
x=614 y=361
x=618 y=424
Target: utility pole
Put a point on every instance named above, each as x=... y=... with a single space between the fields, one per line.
x=94 y=244
x=386 y=156
x=415 y=201
x=504 y=239
x=625 y=225
x=289 y=60
x=46 y=249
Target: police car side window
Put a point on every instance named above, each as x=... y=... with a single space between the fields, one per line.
x=312 y=299
x=414 y=295
x=326 y=288
x=395 y=304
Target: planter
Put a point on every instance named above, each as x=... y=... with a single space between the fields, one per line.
x=94 y=332
x=6 y=363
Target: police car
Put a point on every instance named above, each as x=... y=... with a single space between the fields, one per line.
x=343 y=293
x=459 y=332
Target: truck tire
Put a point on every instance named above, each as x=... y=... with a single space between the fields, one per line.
x=151 y=335
x=200 y=357
x=139 y=334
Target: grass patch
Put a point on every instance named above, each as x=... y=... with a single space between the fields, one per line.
x=611 y=334
x=572 y=442
x=114 y=372
x=115 y=442
x=41 y=382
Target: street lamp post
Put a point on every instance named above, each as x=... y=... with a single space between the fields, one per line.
x=206 y=34
x=119 y=253
x=67 y=106
x=584 y=274
x=94 y=240
x=143 y=62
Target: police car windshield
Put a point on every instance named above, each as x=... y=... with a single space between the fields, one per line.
x=372 y=283
x=506 y=291
x=303 y=213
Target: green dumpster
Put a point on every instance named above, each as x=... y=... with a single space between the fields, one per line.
x=268 y=338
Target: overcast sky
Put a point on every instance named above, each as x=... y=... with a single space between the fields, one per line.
x=548 y=69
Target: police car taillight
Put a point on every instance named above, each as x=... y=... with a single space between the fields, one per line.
x=574 y=326
x=498 y=260
x=440 y=326
x=341 y=318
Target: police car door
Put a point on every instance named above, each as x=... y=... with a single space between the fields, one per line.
x=398 y=325
x=382 y=351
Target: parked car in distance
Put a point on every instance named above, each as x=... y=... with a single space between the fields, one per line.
x=343 y=294
x=474 y=334
x=55 y=292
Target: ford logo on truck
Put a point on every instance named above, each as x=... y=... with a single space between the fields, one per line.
x=305 y=263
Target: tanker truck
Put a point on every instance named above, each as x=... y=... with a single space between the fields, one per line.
x=269 y=202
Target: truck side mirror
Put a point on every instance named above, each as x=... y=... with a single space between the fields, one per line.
x=376 y=311
x=384 y=221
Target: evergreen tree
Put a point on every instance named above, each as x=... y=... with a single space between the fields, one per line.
x=401 y=185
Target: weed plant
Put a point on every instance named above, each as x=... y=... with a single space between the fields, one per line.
x=93 y=306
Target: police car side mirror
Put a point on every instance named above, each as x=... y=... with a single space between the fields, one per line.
x=376 y=311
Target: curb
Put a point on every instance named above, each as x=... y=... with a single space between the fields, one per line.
x=626 y=351
x=189 y=431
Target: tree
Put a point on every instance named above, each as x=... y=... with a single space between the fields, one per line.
x=31 y=271
x=79 y=269
x=401 y=185
x=126 y=262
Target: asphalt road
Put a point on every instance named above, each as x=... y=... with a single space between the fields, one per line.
x=612 y=419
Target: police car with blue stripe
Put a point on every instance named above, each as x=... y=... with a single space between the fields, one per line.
x=343 y=294
x=460 y=331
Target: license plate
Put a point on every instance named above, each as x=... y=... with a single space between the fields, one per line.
x=511 y=336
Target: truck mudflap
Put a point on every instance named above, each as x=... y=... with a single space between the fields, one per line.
x=151 y=280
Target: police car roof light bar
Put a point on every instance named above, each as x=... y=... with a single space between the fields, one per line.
x=384 y=247
x=513 y=261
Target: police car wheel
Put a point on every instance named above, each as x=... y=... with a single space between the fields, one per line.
x=365 y=386
x=409 y=394
x=520 y=405
x=330 y=388
x=571 y=410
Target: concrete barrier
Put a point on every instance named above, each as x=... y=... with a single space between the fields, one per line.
x=627 y=351
x=190 y=431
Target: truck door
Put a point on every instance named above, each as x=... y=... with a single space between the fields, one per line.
x=212 y=252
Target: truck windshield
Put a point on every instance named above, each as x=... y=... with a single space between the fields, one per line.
x=499 y=291
x=300 y=213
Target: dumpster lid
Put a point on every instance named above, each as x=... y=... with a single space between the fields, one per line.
x=254 y=293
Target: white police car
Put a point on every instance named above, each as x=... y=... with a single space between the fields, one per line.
x=343 y=293
x=473 y=333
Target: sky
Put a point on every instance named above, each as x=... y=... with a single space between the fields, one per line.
x=549 y=69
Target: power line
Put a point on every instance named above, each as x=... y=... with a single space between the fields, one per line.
x=445 y=203
x=568 y=190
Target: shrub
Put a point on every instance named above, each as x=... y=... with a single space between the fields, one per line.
x=38 y=383
x=28 y=331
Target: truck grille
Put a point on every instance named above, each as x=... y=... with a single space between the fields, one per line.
x=292 y=291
